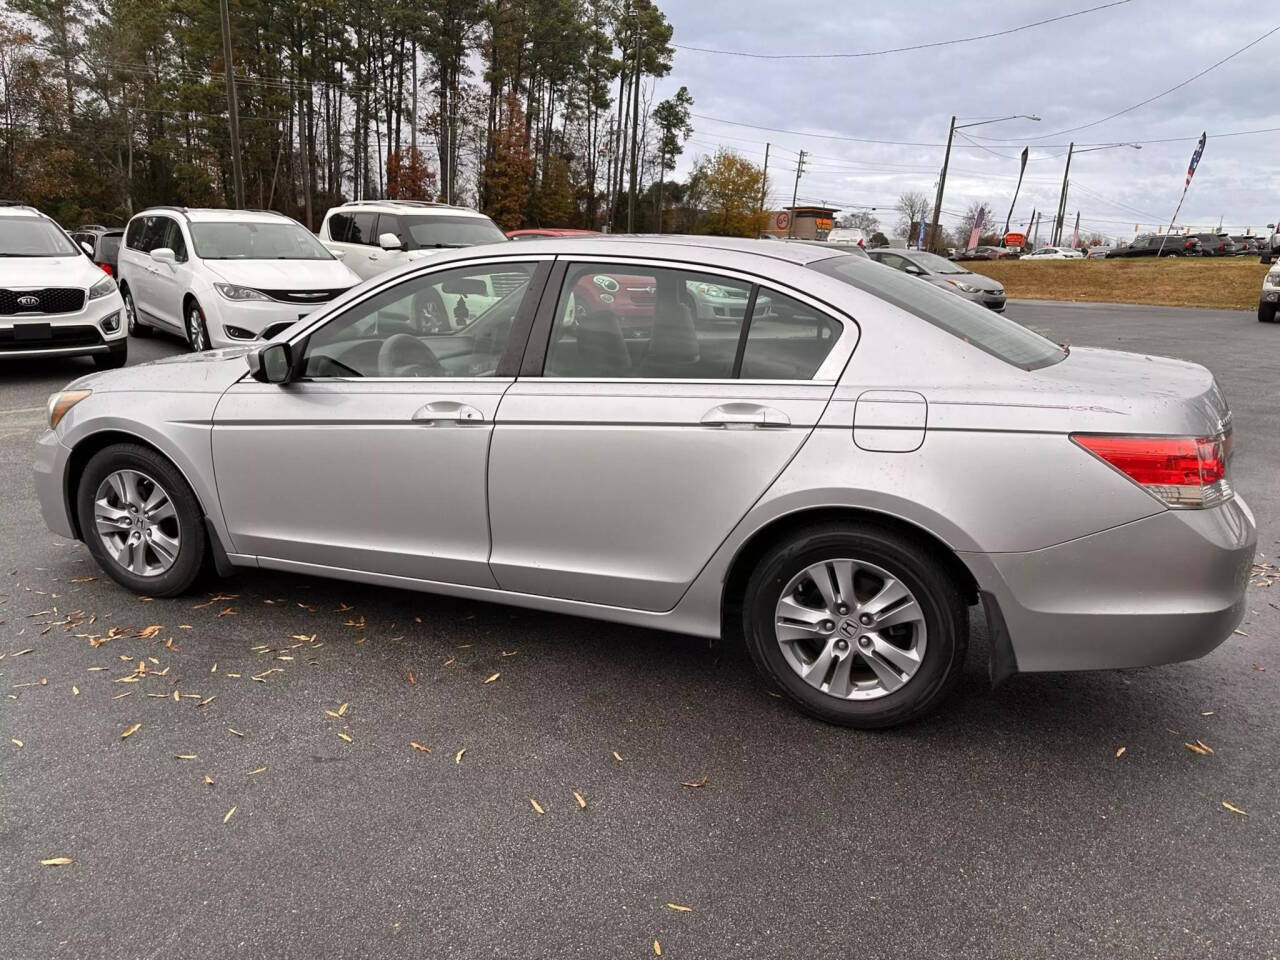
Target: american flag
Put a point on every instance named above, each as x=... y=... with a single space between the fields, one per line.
x=1195 y=159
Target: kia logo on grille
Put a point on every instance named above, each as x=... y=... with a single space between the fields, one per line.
x=28 y=301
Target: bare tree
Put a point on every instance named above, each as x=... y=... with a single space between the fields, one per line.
x=913 y=206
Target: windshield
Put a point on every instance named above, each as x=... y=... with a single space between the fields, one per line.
x=936 y=264
x=1002 y=338
x=33 y=237
x=256 y=241
x=436 y=231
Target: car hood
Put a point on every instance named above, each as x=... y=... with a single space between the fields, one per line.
x=210 y=372
x=972 y=279
x=284 y=274
x=73 y=271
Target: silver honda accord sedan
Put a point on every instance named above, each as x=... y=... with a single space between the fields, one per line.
x=835 y=476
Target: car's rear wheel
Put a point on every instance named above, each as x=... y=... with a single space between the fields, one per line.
x=1267 y=312
x=856 y=624
x=141 y=521
x=116 y=357
x=133 y=323
x=197 y=329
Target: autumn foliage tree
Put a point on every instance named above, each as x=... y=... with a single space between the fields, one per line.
x=509 y=170
x=409 y=177
x=729 y=188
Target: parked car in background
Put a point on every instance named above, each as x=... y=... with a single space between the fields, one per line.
x=1246 y=245
x=1270 y=297
x=943 y=273
x=102 y=245
x=837 y=492
x=1152 y=245
x=1215 y=244
x=374 y=236
x=1272 y=246
x=544 y=233
x=1054 y=253
x=219 y=277
x=986 y=253
x=847 y=236
x=54 y=302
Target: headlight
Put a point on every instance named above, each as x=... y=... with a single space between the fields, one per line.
x=233 y=291
x=1272 y=279
x=102 y=288
x=966 y=287
x=60 y=403
x=710 y=290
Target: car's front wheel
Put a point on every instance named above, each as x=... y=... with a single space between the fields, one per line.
x=141 y=521
x=197 y=329
x=858 y=625
x=1267 y=313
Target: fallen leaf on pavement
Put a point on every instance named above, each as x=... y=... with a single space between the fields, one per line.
x=229 y=813
x=582 y=803
x=1120 y=752
x=16 y=742
x=184 y=756
x=458 y=757
x=252 y=773
x=1234 y=809
x=695 y=783
x=56 y=862
x=234 y=731
x=146 y=633
x=657 y=948
x=617 y=756
x=228 y=612
x=411 y=678
x=75 y=691
x=418 y=746
x=208 y=780
x=346 y=737
x=492 y=678
x=131 y=731
x=537 y=808
x=679 y=909
x=342 y=710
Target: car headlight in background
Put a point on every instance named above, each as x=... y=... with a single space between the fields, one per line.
x=104 y=287
x=61 y=402
x=709 y=290
x=233 y=291
x=1272 y=279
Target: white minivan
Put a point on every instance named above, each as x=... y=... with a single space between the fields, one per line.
x=221 y=277
x=374 y=236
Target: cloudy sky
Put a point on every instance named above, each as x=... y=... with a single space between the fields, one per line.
x=1069 y=73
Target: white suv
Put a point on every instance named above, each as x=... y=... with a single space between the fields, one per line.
x=221 y=277
x=54 y=300
x=374 y=236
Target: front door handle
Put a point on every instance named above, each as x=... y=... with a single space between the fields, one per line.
x=443 y=412
x=745 y=415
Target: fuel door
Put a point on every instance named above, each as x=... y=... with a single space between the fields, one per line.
x=890 y=421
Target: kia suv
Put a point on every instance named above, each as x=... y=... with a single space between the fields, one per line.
x=220 y=277
x=54 y=301
x=373 y=236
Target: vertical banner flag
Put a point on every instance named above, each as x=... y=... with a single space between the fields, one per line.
x=1191 y=172
x=1017 y=189
x=977 y=228
x=920 y=237
x=1075 y=234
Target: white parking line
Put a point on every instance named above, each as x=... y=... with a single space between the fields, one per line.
x=23 y=410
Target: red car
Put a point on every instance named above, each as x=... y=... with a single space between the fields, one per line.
x=539 y=233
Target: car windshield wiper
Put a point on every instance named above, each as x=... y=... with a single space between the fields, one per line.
x=450 y=246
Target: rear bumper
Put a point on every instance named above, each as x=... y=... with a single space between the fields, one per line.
x=1165 y=588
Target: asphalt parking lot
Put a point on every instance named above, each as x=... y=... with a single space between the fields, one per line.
x=271 y=801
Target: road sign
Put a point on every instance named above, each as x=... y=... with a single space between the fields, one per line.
x=1015 y=239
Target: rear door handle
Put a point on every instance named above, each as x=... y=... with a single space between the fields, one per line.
x=442 y=412
x=744 y=415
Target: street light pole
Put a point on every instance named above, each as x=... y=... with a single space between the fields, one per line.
x=233 y=107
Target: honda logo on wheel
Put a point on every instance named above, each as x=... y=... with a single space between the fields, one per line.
x=28 y=301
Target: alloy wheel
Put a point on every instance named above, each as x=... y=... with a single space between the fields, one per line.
x=850 y=629
x=197 y=335
x=130 y=314
x=137 y=523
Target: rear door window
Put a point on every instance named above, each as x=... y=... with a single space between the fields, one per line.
x=787 y=339
x=340 y=228
x=362 y=225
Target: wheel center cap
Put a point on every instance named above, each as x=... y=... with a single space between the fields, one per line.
x=848 y=629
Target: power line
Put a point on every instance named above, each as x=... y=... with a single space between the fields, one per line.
x=916 y=46
x=1141 y=103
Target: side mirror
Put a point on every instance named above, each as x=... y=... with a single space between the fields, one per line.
x=270 y=363
x=912 y=269
x=164 y=255
x=86 y=247
x=389 y=241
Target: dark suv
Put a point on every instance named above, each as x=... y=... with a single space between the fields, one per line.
x=1216 y=244
x=1151 y=246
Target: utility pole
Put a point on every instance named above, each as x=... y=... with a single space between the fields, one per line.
x=932 y=239
x=233 y=107
x=1062 y=200
x=764 y=179
x=795 y=190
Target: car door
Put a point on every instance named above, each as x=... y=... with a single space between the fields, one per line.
x=381 y=260
x=373 y=458
x=142 y=272
x=621 y=461
x=167 y=280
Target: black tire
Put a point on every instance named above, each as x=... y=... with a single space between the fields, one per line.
x=192 y=541
x=945 y=616
x=197 y=328
x=117 y=357
x=133 y=323
x=1266 y=313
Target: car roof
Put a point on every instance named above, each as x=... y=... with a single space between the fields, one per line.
x=8 y=209
x=418 y=207
x=679 y=246
x=554 y=232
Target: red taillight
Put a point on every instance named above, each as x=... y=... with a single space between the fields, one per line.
x=1181 y=471
x=106 y=268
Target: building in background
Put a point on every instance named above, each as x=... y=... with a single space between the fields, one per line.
x=802 y=223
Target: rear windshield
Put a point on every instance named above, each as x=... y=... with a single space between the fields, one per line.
x=109 y=245
x=998 y=336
